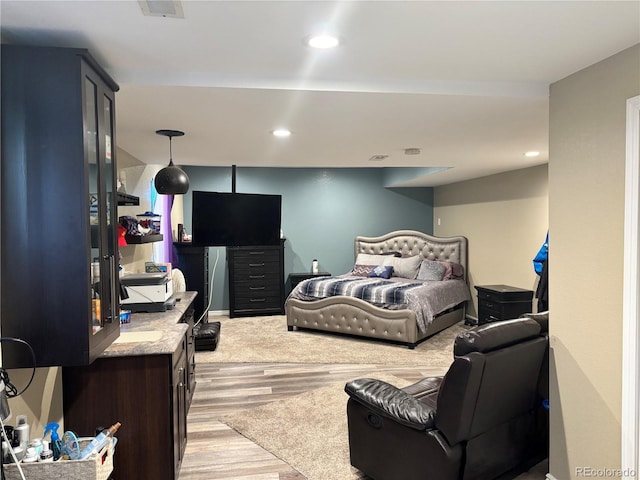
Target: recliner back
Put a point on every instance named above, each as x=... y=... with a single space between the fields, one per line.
x=492 y=380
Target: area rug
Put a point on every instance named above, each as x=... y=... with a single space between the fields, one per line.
x=308 y=431
x=266 y=339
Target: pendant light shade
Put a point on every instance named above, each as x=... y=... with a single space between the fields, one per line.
x=171 y=180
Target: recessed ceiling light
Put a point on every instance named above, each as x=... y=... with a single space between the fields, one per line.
x=281 y=132
x=322 y=40
x=532 y=154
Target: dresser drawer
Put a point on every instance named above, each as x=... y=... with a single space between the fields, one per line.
x=246 y=256
x=254 y=291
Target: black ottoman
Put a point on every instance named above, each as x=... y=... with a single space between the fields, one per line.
x=207 y=335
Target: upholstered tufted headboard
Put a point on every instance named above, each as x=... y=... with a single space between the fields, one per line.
x=411 y=242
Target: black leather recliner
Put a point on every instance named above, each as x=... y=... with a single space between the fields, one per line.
x=479 y=421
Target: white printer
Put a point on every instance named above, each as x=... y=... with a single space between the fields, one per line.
x=147 y=292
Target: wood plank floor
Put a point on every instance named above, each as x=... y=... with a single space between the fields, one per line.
x=215 y=451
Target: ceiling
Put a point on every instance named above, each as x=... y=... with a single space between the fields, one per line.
x=465 y=82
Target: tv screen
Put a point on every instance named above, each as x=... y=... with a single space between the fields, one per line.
x=235 y=219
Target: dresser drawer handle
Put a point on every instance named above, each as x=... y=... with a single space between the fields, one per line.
x=256 y=276
x=257 y=300
x=256 y=288
x=256 y=253
x=488 y=305
x=256 y=264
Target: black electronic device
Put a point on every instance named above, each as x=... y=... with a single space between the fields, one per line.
x=235 y=219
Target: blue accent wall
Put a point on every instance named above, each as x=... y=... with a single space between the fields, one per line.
x=323 y=210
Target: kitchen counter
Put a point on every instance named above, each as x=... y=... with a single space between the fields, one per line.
x=152 y=333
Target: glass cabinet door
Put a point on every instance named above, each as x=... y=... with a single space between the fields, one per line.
x=102 y=210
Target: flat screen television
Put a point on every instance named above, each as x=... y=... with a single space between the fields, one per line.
x=235 y=219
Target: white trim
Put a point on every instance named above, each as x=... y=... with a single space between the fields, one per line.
x=631 y=292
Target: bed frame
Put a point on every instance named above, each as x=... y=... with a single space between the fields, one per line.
x=353 y=316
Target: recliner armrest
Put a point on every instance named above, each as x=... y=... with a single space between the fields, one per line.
x=392 y=402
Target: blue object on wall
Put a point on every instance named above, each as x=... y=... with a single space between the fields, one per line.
x=541 y=256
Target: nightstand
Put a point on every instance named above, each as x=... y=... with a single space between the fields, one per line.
x=502 y=302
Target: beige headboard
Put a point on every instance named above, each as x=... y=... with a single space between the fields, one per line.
x=411 y=242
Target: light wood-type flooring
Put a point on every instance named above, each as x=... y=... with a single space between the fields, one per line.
x=215 y=451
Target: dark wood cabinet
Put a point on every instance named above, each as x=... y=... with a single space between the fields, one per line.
x=149 y=394
x=502 y=302
x=193 y=261
x=189 y=319
x=256 y=280
x=58 y=207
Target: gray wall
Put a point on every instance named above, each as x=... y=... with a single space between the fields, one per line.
x=322 y=211
x=587 y=120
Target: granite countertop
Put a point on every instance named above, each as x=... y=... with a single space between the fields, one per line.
x=152 y=333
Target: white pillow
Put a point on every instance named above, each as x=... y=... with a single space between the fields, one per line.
x=404 y=267
x=369 y=259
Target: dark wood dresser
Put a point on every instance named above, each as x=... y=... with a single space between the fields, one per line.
x=502 y=302
x=256 y=280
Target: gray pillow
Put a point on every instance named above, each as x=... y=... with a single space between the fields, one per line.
x=406 y=267
x=430 y=270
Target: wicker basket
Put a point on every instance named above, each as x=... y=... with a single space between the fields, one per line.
x=97 y=468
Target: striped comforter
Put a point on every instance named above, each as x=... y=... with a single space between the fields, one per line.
x=372 y=290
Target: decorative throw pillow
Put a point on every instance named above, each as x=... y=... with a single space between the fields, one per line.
x=457 y=270
x=406 y=267
x=452 y=269
x=362 y=270
x=382 y=271
x=430 y=270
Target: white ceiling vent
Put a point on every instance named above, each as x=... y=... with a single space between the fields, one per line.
x=162 y=8
x=377 y=158
x=412 y=151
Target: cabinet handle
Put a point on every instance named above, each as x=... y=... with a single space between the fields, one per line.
x=256 y=253
x=257 y=299
x=489 y=305
x=256 y=264
x=256 y=276
x=256 y=288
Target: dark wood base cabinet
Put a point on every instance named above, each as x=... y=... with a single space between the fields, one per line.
x=149 y=394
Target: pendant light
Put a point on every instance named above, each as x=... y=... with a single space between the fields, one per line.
x=171 y=180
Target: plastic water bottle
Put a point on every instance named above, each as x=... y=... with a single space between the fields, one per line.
x=99 y=442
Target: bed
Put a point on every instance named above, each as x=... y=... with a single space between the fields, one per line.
x=400 y=322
